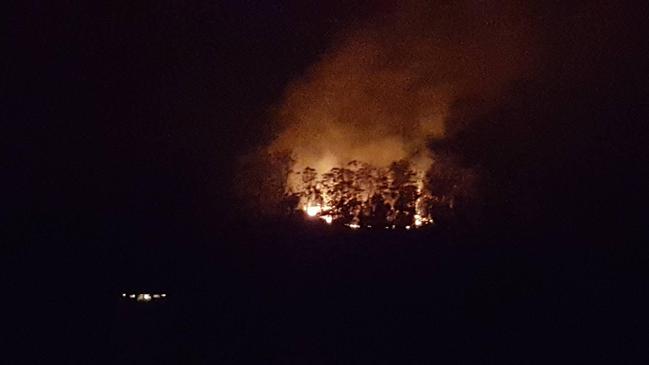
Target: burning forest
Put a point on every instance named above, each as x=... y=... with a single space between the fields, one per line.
x=363 y=196
x=352 y=137
x=359 y=195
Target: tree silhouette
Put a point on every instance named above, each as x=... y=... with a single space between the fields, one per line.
x=359 y=193
x=261 y=184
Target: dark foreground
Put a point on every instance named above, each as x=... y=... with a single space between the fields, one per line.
x=263 y=296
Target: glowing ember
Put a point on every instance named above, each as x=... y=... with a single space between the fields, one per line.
x=313 y=210
x=328 y=219
x=418 y=220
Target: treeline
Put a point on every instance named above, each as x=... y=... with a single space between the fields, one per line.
x=361 y=195
x=267 y=188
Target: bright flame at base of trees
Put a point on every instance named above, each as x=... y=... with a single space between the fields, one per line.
x=418 y=220
x=312 y=210
x=398 y=195
x=360 y=195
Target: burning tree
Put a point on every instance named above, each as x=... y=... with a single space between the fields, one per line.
x=359 y=194
x=356 y=194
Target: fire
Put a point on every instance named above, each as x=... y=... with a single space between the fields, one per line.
x=361 y=195
x=313 y=210
x=418 y=220
x=379 y=103
x=316 y=211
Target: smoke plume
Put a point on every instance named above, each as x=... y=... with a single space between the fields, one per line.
x=387 y=87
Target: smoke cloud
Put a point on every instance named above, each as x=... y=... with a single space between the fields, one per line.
x=389 y=86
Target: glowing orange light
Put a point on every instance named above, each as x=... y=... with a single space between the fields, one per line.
x=313 y=210
x=418 y=220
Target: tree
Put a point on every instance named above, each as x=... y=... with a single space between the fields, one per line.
x=261 y=184
x=451 y=186
x=404 y=192
x=309 y=191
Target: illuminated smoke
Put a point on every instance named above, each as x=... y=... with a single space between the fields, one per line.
x=387 y=88
x=385 y=91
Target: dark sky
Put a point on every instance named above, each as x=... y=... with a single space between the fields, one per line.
x=133 y=112
x=136 y=111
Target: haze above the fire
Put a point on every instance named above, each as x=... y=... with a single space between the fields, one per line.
x=389 y=86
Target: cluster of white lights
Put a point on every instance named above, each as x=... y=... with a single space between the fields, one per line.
x=144 y=297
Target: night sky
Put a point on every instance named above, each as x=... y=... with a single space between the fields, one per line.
x=123 y=123
x=148 y=105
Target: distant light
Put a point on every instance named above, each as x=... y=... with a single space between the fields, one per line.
x=354 y=226
x=143 y=297
x=328 y=219
x=407 y=227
